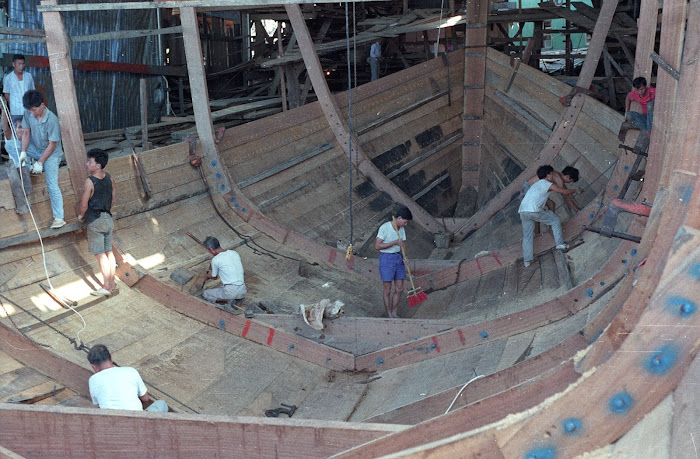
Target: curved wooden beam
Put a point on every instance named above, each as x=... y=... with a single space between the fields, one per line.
x=337 y=124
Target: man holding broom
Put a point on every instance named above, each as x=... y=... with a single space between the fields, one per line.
x=391 y=243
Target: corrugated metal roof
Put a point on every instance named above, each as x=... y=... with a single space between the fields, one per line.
x=107 y=100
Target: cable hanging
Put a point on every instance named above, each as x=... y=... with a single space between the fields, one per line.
x=350 y=115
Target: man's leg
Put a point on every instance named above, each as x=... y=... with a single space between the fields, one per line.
x=103 y=261
x=637 y=119
x=398 y=291
x=374 y=67
x=387 y=297
x=528 y=235
x=51 y=171
x=213 y=294
x=158 y=406
x=110 y=281
x=650 y=115
x=551 y=219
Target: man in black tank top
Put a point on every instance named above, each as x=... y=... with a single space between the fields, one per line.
x=95 y=210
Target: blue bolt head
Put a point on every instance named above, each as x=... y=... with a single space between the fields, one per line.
x=633 y=252
x=484 y=335
x=602 y=284
x=233 y=199
x=380 y=360
x=547 y=452
x=291 y=346
x=432 y=346
x=589 y=292
x=621 y=403
x=214 y=163
x=222 y=324
x=244 y=210
x=218 y=175
x=591 y=216
x=681 y=306
x=662 y=360
x=627 y=168
x=572 y=426
x=615 y=187
x=236 y=206
x=624 y=262
x=223 y=187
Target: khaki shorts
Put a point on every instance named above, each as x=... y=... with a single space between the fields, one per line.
x=99 y=234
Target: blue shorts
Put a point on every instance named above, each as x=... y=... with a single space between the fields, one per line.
x=391 y=266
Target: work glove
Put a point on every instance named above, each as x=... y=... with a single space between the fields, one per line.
x=37 y=168
x=81 y=218
x=22 y=158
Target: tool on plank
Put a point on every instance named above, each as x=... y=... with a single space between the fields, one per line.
x=203 y=276
x=289 y=410
x=415 y=295
x=143 y=176
x=60 y=299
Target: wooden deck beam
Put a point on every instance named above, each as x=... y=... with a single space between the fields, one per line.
x=84 y=432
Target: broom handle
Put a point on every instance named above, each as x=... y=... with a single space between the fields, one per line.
x=403 y=252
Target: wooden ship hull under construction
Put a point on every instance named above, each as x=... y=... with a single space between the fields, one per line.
x=592 y=350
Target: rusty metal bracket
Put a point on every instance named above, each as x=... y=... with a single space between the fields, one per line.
x=615 y=207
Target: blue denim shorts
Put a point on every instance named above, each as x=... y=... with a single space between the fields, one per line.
x=391 y=266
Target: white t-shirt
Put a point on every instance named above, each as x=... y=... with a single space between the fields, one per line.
x=387 y=233
x=536 y=197
x=16 y=89
x=117 y=388
x=227 y=265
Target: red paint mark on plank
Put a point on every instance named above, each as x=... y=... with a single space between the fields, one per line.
x=351 y=263
x=497 y=260
x=461 y=337
x=478 y=265
x=331 y=257
x=437 y=347
x=246 y=328
x=269 y=337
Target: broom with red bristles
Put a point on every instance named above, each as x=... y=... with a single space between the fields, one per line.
x=415 y=295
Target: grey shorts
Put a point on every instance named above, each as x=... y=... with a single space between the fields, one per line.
x=99 y=233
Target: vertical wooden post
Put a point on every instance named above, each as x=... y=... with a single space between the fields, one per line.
x=337 y=123
x=671 y=114
x=646 y=38
x=473 y=112
x=66 y=98
x=144 y=114
x=217 y=175
x=280 y=53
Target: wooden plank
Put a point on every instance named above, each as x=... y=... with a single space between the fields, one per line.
x=216 y=173
x=23 y=350
x=331 y=400
x=685 y=431
x=595 y=48
x=488 y=386
x=86 y=65
x=53 y=431
x=66 y=99
x=285 y=165
x=646 y=38
x=252 y=330
x=218 y=4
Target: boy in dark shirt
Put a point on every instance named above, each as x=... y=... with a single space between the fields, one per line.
x=95 y=206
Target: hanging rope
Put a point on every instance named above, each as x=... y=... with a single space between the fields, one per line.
x=350 y=114
x=6 y=111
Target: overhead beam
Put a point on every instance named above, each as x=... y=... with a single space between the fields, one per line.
x=89 y=66
x=336 y=122
x=595 y=49
x=232 y=4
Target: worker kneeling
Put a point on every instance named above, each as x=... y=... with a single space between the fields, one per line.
x=226 y=265
x=118 y=388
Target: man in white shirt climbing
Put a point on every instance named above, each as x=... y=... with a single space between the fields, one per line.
x=533 y=209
